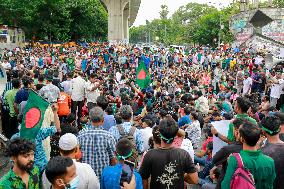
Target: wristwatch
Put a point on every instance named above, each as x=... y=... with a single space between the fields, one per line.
x=216 y=135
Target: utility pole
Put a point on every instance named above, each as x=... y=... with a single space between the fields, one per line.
x=220 y=25
x=165 y=33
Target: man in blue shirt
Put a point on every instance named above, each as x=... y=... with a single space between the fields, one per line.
x=185 y=119
x=126 y=114
x=112 y=174
x=147 y=61
x=23 y=94
x=109 y=120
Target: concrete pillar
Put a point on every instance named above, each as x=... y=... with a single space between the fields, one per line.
x=256 y=3
x=126 y=25
x=115 y=19
x=270 y=3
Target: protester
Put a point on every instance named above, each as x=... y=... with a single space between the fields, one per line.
x=109 y=120
x=9 y=98
x=61 y=173
x=23 y=174
x=202 y=79
x=111 y=176
x=92 y=91
x=40 y=155
x=97 y=145
x=126 y=128
x=241 y=107
x=166 y=165
x=274 y=147
x=69 y=147
x=50 y=92
x=193 y=130
x=220 y=158
x=77 y=95
x=260 y=166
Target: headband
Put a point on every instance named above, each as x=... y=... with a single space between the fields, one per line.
x=168 y=141
x=125 y=157
x=269 y=131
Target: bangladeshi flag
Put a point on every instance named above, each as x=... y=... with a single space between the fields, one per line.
x=142 y=76
x=33 y=115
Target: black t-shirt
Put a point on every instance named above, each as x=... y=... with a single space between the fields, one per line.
x=220 y=158
x=281 y=136
x=166 y=168
x=276 y=152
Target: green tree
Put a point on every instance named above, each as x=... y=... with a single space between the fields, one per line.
x=206 y=28
x=164 y=12
x=192 y=23
x=278 y=3
x=56 y=19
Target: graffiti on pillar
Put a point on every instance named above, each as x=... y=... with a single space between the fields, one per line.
x=238 y=25
x=244 y=34
x=275 y=30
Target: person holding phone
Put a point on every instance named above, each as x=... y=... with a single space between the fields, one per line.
x=122 y=174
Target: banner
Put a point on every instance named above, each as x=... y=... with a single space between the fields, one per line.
x=222 y=127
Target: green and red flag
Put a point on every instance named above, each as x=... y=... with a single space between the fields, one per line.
x=142 y=76
x=33 y=116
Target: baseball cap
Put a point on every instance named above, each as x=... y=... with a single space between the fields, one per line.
x=68 y=141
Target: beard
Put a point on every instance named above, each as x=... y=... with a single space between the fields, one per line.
x=27 y=167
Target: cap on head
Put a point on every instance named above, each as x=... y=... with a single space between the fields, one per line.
x=68 y=142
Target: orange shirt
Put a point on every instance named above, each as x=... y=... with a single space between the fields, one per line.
x=64 y=103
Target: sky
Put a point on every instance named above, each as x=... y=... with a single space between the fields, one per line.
x=149 y=9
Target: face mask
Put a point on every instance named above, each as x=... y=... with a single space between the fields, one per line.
x=74 y=183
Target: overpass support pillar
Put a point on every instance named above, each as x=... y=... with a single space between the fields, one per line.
x=116 y=20
x=126 y=25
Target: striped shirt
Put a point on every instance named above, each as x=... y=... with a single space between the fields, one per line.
x=98 y=147
x=8 y=87
x=137 y=134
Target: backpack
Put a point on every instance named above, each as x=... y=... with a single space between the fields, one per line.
x=242 y=178
x=129 y=136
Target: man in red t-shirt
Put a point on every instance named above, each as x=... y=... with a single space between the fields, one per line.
x=201 y=156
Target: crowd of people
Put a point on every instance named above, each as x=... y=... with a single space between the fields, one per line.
x=101 y=120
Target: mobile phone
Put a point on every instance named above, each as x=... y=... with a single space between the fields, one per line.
x=127 y=172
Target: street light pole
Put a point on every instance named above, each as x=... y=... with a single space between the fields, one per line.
x=220 y=25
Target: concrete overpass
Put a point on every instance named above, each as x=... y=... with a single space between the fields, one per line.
x=121 y=16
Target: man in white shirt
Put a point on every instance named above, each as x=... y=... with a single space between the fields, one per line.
x=146 y=132
x=239 y=80
x=6 y=65
x=67 y=84
x=69 y=147
x=276 y=88
x=77 y=95
x=49 y=92
x=247 y=83
x=201 y=103
x=92 y=91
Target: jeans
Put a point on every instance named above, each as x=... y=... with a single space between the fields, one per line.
x=204 y=181
x=12 y=126
x=200 y=160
